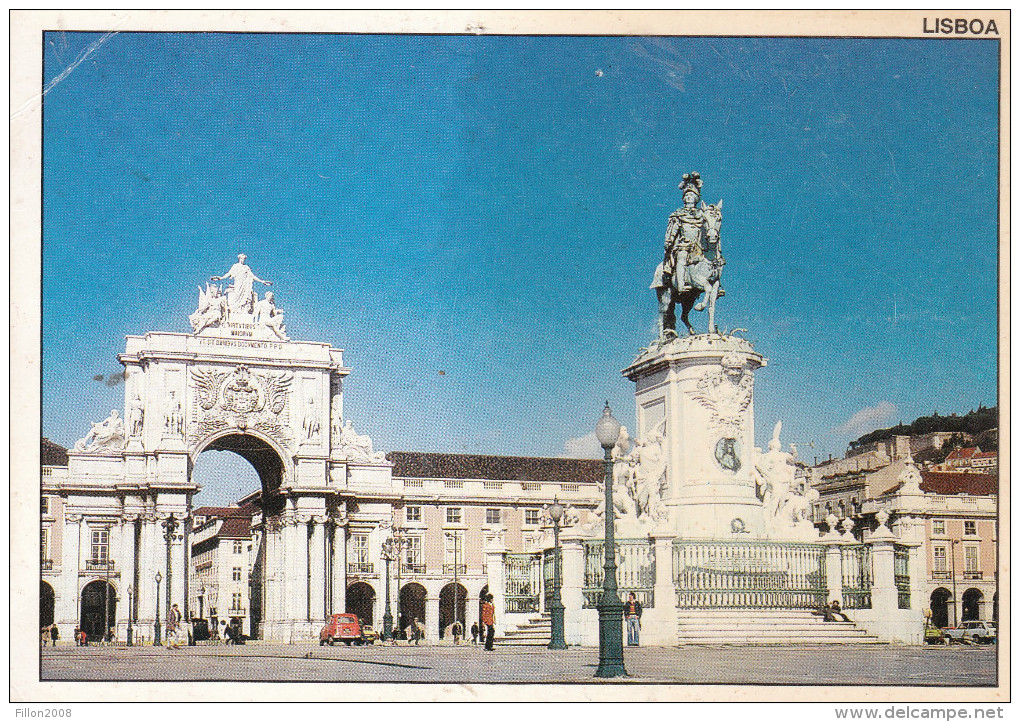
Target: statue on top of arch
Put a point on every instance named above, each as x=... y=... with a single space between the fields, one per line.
x=238 y=311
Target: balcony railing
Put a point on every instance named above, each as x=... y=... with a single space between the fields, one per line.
x=972 y=575
x=460 y=568
x=239 y=612
x=412 y=568
x=99 y=565
x=360 y=568
x=939 y=575
x=46 y=564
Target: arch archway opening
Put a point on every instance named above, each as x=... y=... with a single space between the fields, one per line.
x=47 y=604
x=939 y=604
x=970 y=608
x=452 y=606
x=94 y=620
x=412 y=605
x=261 y=456
x=361 y=601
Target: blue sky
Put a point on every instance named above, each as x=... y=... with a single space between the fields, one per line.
x=493 y=207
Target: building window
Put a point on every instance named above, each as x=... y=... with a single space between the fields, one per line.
x=939 y=554
x=359 y=548
x=100 y=545
x=970 y=558
x=453 y=515
x=235 y=602
x=453 y=550
x=45 y=505
x=412 y=553
x=532 y=517
x=236 y=574
x=938 y=526
x=413 y=513
x=492 y=516
x=970 y=528
x=238 y=547
x=44 y=544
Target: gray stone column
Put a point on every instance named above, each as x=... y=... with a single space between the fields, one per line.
x=126 y=566
x=66 y=612
x=431 y=620
x=834 y=569
x=659 y=622
x=317 y=569
x=340 y=565
x=497 y=586
x=571 y=589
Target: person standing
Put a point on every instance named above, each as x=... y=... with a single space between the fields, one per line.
x=45 y=635
x=474 y=633
x=54 y=634
x=632 y=612
x=489 y=621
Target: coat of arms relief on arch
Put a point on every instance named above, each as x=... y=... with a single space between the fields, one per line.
x=241 y=399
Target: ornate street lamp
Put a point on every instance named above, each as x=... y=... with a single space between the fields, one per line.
x=556 y=606
x=607 y=430
x=131 y=613
x=387 y=618
x=170 y=534
x=157 y=642
x=201 y=600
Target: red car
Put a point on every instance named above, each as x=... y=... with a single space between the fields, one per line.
x=342 y=628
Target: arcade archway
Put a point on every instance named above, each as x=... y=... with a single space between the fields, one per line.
x=361 y=601
x=939 y=604
x=47 y=601
x=412 y=604
x=971 y=606
x=95 y=621
x=452 y=606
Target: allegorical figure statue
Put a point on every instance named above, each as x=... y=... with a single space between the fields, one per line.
x=358 y=447
x=106 y=434
x=136 y=416
x=241 y=295
x=212 y=308
x=268 y=315
x=692 y=261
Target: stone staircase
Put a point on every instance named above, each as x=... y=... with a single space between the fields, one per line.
x=765 y=626
x=536 y=632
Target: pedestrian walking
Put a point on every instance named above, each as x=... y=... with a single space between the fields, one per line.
x=173 y=628
x=474 y=632
x=45 y=635
x=54 y=634
x=458 y=631
x=632 y=612
x=489 y=621
x=419 y=631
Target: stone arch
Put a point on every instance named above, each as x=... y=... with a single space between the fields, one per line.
x=412 y=604
x=361 y=601
x=939 y=604
x=452 y=606
x=47 y=604
x=271 y=461
x=93 y=620
x=970 y=607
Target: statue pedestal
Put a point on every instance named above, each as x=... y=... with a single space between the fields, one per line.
x=698 y=392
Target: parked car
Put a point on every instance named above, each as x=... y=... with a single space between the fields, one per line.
x=201 y=627
x=973 y=632
x=341 y=628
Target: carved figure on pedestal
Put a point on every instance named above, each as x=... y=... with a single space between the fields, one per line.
x=358 y=447
x=136 y=417
x=241 y=296
x=269 y=316
x=649 y=461
x=105 y=434
x=310 y=423
x=336 y=423
x=692 y=262
x=788 y=502
x=174 y=421
x=212 y=309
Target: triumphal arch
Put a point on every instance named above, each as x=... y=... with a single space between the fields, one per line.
x=235 y=382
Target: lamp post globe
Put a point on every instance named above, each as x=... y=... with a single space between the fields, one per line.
x=557 y=639
x=607 y=431
x=131 y=613
x=157 y=642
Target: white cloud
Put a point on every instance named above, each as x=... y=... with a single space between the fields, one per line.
x=867 y=419
x=583 y=447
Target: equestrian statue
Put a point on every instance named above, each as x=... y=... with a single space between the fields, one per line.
x=692 y=261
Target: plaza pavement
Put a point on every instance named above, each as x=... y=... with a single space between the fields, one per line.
x=766 y=665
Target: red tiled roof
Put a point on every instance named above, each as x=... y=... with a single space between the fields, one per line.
x=964 y=453
x=413 y=464
x=986 y=455
x=52 y=454
x=948 y=482
x=217 y=511
x=235 y=527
